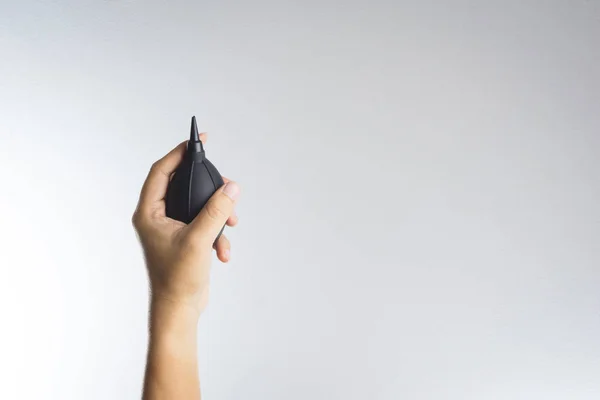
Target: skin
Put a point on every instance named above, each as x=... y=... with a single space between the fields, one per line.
x=178 y=258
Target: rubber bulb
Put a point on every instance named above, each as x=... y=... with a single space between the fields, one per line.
x=193 y=183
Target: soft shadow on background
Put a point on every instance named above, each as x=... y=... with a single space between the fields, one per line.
x=420 y=213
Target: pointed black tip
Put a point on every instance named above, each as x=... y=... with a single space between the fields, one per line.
x=194 y=137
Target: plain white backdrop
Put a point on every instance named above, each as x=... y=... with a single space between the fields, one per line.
x=420 y=212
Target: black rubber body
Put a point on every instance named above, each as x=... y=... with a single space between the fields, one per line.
x=193 y=183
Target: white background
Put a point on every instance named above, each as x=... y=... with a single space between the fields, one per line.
x=420 y=213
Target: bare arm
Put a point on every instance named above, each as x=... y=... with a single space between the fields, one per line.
x=172 y=365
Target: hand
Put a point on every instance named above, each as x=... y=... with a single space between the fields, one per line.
x=177 y=255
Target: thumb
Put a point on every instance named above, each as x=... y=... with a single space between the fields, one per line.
x=213 y=216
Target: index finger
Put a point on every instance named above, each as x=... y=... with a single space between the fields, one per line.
x=155 y=187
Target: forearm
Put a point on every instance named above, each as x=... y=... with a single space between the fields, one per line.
x=172 y=365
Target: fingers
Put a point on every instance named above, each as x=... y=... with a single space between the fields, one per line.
x=233 y=219
x=155 y=186
x=213 y=216
x=223 y=248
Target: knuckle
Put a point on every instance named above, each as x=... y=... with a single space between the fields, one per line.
x=215 y=212
x=158 y=167
x=139 y=218
x=155 y=167
x=136 y=219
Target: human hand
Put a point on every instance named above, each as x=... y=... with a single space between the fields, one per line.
x=177 y=255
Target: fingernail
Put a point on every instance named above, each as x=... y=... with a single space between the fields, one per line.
x=227 y=252
x=231 y=190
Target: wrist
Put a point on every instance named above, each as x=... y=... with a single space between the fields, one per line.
x=172 y=291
